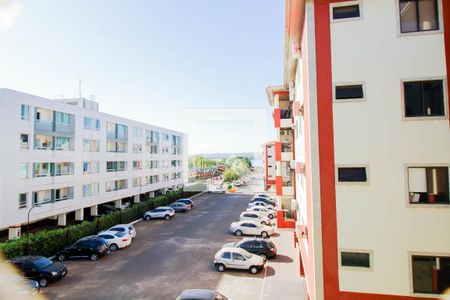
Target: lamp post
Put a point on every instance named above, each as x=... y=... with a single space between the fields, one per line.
x=28 y=227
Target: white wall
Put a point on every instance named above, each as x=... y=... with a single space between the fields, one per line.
x=376 y=216
x=11 y=126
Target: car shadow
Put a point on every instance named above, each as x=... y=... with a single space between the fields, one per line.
x=269 y=271
x=282 y=259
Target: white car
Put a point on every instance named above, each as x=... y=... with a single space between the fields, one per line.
x=261 y=204
x=127 y=228
x=164 y=212
x=116 y=239
x=264 y=211
x=238 y=258
x=237 y=183
x=251 y=228
x=255 y=216
x=217 y=190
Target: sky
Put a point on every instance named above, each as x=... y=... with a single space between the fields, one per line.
x=189 y=65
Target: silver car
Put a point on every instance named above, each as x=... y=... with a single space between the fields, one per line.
x=162 y=212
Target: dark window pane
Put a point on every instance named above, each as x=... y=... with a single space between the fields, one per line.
x=424 y=98
x=349 y=92
x=423 y=273
x=226 y=255
x=352 y=175
x=413 y=99
x=343 y=12
x=418 y=15
x=428 y=15
x=408 y=16
x=354 y=259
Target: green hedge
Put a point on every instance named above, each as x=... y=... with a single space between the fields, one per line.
x=49 y=242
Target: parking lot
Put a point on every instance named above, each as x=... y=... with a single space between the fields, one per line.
x=166 y=258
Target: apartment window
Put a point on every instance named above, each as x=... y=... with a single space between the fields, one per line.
x=44 y=169
x=137 y=132
x=64 y=193
x=23 y=141
x=92 y=167
x=153 y=149
x=418 y=15
x=25 y=112
x=165 y=137
x=428 y=185
x=137 y=148
x=154 y=137
x=346 y=11
x=165 y=163
x=352 y=174
x=62 y=118
x=355 y=259
x=115 y=166
x=91 y=124
x=91 y=145
x=348 y=92
x=111 y=146
x=137 y=181
x=43 y=142
x=23 y=171
x=63 y=168
x=116 y=185
x=91 y=189
x=63 y=143
x=431 y=274
x=121 y=147
x=137 y=165
x=42 y=197
x=23 y=200
x=424 y=98
x=166 y=177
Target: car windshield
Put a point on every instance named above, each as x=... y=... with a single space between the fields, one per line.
x=246 y=254
x=42 y=263
x=120 y=234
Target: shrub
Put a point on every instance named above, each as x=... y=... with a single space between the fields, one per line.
x=49 y=242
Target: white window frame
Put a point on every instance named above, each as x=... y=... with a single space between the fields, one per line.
x=346 y=3
x=338 y=84
x=428 y=32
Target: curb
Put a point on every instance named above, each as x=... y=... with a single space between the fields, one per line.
x=204 y=192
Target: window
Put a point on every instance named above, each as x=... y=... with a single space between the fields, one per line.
x=137 y=148
x=154 y=137
x=428 y=185
x=63 y=168
x=114 y=166
x=23 y=141
x=344 y=92
x=424 y=98
x=41 y=197
x=63 y=143
x=237 y=256
x=226 y=255
x=91 y=189
x=353 y=174
x=91 y=124
x=418 y=15
x=431 y=274
x=23 y=200
x=355 y=259
x=64 y=193
x=62 y=118
x=43 y=142
x=137 y=181
x=25 y=112
x=165 y=137
x=346 y=11
x=137 y=132
x=44 y=169
x=92 y=167
x=137 y=165
x=91 y=145
x=23 y=171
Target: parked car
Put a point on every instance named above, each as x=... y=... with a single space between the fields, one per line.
x=186 y=201
x=262 y=247
x=237 y=182
x=19 y=285
x=265 y=196
x=40 y=269
x=180 y=207
x=251 y=228
x=265 y=200
x=261 y=204
x=162 y=212
x=247 y=215
x=194 y=294
x=217 y=190
x=116 y=239
x=237 y=258
x=127 y=228
x=91 y=246
x=264 y=211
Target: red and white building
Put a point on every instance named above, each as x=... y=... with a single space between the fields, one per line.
x=268 y=165
x=365 y=108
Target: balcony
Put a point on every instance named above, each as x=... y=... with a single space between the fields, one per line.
x=44 y=126
x=287 y=153
x=285 y=118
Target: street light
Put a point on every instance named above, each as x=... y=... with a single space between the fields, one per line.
x=28 y=227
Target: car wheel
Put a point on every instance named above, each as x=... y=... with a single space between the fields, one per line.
x=238 y=232
x=253 y=270
x=264 y=256
x=113 y=247
x=264 y=234
x=221 y=267
x=61 y=257
x=167 y=217
x=43 y=282
x=147 y=218
x=94 y=256
x=270 y=216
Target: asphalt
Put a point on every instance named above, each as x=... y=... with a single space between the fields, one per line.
x=165 y=258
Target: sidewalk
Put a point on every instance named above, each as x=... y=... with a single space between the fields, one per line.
x=282 y=279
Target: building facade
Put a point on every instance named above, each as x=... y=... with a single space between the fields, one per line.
x=366 y=84
x=64 y=156
x=268 y=165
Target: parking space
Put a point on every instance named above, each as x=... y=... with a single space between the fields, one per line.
x=166 y=258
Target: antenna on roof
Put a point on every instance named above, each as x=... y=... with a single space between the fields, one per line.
x=79 y=87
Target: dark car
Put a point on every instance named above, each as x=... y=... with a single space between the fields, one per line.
x=40 y=269
x=90 y=246
x=265 y=200
x=186 y=201
x=180 y=207
x=259 y=246
x=194 y=294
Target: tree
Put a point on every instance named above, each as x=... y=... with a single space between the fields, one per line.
x=230 y=175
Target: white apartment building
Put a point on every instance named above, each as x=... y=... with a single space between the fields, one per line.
x=269 y=165
x=366 y=83
x=64 y=156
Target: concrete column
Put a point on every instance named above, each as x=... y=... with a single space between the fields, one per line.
x=94 y=210
x=62 y=220
x=118 y=203
x=79 y=215
x=151 y=195
x=14 y=232
x=136 y=198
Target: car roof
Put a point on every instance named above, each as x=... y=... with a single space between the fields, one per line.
x=233 y=249
x=110 y=232
x=121 y=225
x=249 y=221
x=24 y=258
x=197 y=294
x=183 y=199
x=163 y=207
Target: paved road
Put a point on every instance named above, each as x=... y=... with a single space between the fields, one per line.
x=165 y=258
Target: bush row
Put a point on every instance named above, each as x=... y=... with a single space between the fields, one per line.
x=49 y=242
